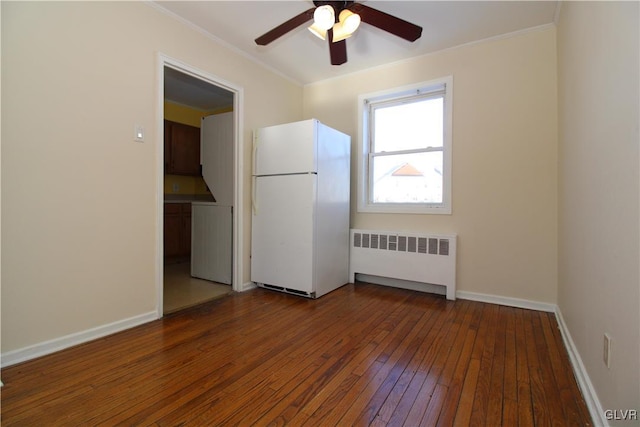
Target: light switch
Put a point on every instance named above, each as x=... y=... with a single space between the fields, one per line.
x=138 y=133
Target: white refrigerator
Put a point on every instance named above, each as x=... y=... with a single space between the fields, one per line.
x=300 y=204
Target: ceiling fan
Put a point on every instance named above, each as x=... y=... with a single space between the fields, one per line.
x=335 y=21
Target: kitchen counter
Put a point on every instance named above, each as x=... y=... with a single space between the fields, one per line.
x=188 y=198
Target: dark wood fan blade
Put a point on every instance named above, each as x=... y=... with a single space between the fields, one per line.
x=386 y=22
x=285 y=27
x=337 y=50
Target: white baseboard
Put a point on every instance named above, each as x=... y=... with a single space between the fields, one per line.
x=47 y=347
x=249 y=285
x=508 y=301
x=588 y=392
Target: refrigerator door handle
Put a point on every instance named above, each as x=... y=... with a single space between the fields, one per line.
x=254 y=206
x=254 y=157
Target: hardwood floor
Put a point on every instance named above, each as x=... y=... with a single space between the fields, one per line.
x=361 y=355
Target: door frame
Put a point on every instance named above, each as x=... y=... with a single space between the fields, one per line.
x=238 y=208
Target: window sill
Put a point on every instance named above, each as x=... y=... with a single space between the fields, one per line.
x=405 y=209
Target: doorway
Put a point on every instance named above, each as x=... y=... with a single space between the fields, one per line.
x=188 y=95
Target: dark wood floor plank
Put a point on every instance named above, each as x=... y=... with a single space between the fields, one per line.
x=254 y=372
x=510 y=358
x=564 y=377
x=456 y=366
x=454 y=391
x=481 y=399
x=574 y=388
x=366 y=405
x=425 y=356
x=496 y=385
x=405 y=394
x=525 y=411
x=362 y=355
x=190 y=386
x=549 y=383
x=431 y=366
x=538 y=397
x=435 y=405
x=343 y=351
x=385 y=338
x=386 y=399
x=465 y=405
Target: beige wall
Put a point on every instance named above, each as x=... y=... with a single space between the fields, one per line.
x=599 y=284
x=504 y=158
x=78 y=194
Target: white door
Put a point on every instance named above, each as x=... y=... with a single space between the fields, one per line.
x=216 y=156
x=288 y=148
x=211 y=242
x=282 y=231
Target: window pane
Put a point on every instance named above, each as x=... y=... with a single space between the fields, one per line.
x=408 y=178
x=408 y=126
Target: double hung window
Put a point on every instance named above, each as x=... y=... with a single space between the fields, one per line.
x=405 y=156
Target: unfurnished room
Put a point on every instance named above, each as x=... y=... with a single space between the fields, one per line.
x=336 y=213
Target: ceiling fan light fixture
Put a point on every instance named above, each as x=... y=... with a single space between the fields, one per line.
x=348 y=24
x=339 y=33
x=318 y=32
x=350 y=21
x=324 y=17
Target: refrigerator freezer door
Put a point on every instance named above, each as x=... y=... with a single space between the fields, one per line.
x=282 y=231
x=284 y=149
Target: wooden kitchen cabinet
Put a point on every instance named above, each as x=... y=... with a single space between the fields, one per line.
x=177 y=231
x=181 y=149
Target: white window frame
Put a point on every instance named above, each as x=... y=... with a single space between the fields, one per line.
x=364 y=192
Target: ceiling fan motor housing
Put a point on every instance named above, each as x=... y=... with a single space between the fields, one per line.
x=338 y=6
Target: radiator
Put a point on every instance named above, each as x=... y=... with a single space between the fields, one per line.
x=424 y=258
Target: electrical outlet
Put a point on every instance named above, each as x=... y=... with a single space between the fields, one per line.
x=176 y=187
x=607 y=350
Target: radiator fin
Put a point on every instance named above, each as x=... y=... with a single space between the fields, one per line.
x=402 y=243
x=422 y=245
x=411 y=244
x=444 y=247
x=393 y=243
x=433 y=246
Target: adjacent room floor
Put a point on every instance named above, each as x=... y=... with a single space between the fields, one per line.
x=182 y=291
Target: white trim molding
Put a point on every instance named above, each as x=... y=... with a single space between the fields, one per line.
x=238 y=150
x=582 y=377
x=508 y=301
x=47 y=347
x=249 y=285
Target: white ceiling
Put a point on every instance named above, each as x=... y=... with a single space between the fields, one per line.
x=304 y=58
